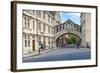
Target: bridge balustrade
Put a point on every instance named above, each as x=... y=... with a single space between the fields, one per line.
x=63 y=27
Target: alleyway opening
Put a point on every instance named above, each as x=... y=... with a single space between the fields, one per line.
x=68 y=40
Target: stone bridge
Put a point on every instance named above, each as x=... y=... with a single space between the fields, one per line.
x=66 y=28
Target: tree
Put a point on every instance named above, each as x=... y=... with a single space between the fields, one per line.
x=72 y=39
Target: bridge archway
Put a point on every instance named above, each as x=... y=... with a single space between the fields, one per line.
x=63 y=40
x=77 y=33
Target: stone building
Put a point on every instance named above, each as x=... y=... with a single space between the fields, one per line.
x=38 y=27
x=45 y=27
x=86 y=29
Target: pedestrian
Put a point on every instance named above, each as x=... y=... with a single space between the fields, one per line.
x=78 y=45
x=42 y=46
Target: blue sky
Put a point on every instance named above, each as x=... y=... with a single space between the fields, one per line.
x=75 y=17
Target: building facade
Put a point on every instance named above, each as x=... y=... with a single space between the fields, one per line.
x=43 y=26
x=86 y=29
x=38 y=27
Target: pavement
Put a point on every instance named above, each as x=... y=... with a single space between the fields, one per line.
x=60 y=54
x=36 y=53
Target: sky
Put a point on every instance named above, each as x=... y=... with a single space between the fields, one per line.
x=75 y=17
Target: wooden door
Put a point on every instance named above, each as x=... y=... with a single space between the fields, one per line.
x=33 y=44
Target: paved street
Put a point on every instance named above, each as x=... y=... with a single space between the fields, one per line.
x=61 y=54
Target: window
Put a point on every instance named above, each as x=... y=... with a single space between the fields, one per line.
x=52 y=42
x=25 y=36
x=60 y=27
x=28 y=41
x=48 y=18
x=33 y=24
x=25 y=21
x=39 y=26
x=39 y=40
x=68 y=22
x=66 y=26
x=25 y=40
x=63 y=26
x=52 y=30
x=43 y=27
x=33 y=12
x=43 y=14
x=39 y=13
x=52 y=21
x=44 y=41
x=48 y=29
x=28 y=23
x=25 y=43
x=57 y=28
x=49 y=41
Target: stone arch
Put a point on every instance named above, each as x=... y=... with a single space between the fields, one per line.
x=67 y=31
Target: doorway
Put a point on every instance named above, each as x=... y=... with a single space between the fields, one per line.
x=33 y=45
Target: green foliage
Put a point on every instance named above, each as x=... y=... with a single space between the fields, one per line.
x=72 y=39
